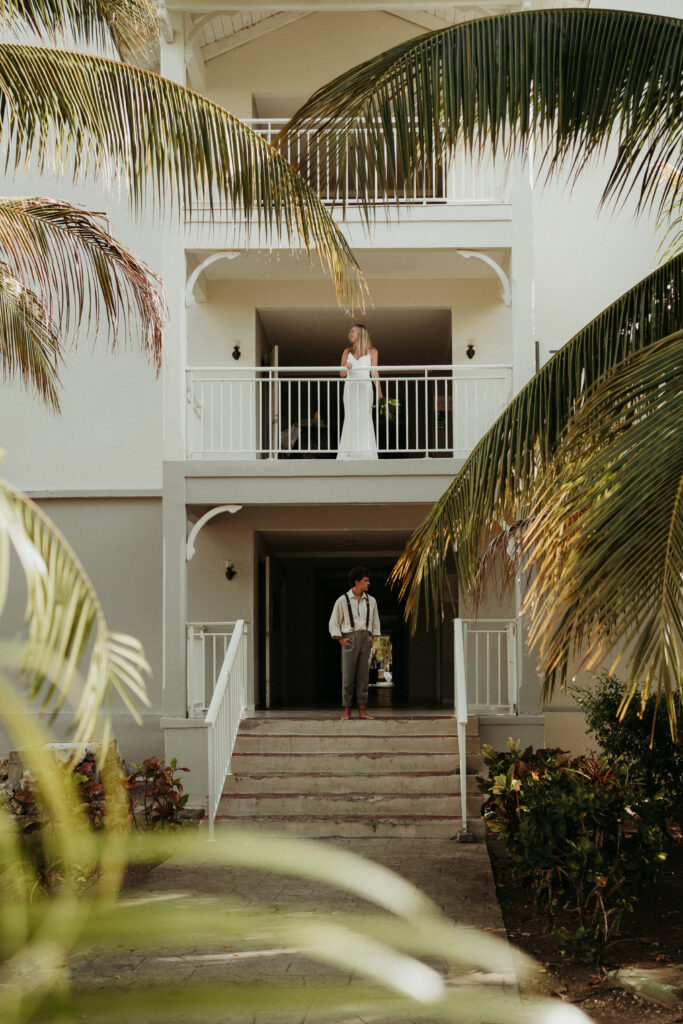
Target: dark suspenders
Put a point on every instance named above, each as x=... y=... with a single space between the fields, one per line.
x=367 y=612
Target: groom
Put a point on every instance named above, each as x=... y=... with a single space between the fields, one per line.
x=354 y=622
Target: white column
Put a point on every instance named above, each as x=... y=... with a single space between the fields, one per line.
x=174 y=273
x=175 y=593
x=522 y=277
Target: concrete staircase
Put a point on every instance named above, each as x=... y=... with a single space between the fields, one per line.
x=394 y=776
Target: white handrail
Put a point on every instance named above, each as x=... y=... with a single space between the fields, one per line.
x=460 y=712
x=223 y=718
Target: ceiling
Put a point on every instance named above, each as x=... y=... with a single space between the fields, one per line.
x=313 y=337
x=222 y=26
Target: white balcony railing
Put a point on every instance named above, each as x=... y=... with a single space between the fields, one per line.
x=489 y=659
x=207 y=644
x=462 y=179
x=280 y=413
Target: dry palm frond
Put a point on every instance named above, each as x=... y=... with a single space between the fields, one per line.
x=29 y=342
x=79 y=269
x=129 y=25
x=573 y=79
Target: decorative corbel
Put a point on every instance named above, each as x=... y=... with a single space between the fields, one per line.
x=228 y=254
x=506 y=293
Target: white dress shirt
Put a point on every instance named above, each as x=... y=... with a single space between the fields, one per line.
x=339 y=620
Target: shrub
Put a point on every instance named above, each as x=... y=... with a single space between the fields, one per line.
x=642 y=740
x=581 y=832
x=156 y=792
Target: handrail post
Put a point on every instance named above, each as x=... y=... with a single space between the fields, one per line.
x=460 y=711
x=210 y=741
x=513 y=681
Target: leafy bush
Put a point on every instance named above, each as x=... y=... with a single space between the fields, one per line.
x=642 y=739
x=581 y=832
x=156 y=792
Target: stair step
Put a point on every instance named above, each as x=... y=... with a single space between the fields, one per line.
x=320 y=776
x=371 y=761
x=441 y=725
x=344 y=743
x=345 y=782
x=406 y=826
x=340 y=804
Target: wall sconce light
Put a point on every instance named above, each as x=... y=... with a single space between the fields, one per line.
x=470 y=351
x=236 y=351
x=230 y=571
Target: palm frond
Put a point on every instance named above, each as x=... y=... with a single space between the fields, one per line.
x=29 y=343
x=494 y=487
x=69 y=652
x=90 y=115
x=606 y=540
x=574 y=80
x=129 y=25
x=79 y=269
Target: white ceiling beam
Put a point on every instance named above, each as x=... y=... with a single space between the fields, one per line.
x=251 y=32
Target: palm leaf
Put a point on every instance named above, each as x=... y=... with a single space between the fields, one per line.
x=69 y=256
x=29 y=343
x=129 y=25
x=65 y=624
x=89 y=115
x=494 y=487
x=606 y=540
x=574 y=79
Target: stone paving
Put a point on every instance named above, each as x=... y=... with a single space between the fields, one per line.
x=456 y=876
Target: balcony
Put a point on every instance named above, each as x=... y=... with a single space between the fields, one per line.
x=430 y=412
x=463 y=180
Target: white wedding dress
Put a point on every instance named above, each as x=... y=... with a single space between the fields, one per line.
x=358 y=439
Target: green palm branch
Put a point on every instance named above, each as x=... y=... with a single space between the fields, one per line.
x=29 y=342
x=575 y=80
x=129 y=25
x=606 y=529
x=69 y=651
x=91 y=116
x=495 y=487
x=79 y=271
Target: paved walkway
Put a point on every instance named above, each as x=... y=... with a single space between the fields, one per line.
x=457 y=877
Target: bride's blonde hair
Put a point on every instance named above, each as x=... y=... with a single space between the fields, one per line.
x=364 y=343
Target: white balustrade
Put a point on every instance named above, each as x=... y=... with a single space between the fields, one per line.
x=463 y=179
x=207 y=644
x=263 y=412
x=228 y=704
x=490 y=665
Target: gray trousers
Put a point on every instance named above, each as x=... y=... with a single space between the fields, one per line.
x=355 y=659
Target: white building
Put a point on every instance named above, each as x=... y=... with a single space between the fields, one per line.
x=240 y=432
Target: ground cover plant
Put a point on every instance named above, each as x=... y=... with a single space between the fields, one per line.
x=581 y=832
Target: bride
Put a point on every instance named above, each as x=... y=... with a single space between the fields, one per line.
x=358 y=364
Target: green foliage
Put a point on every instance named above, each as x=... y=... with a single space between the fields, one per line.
x=581 y=832
x=156 y=792
x=638 y=736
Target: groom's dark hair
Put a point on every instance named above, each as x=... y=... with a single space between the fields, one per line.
x=357 y=573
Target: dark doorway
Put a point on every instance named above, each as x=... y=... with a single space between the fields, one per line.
x=304 y=662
